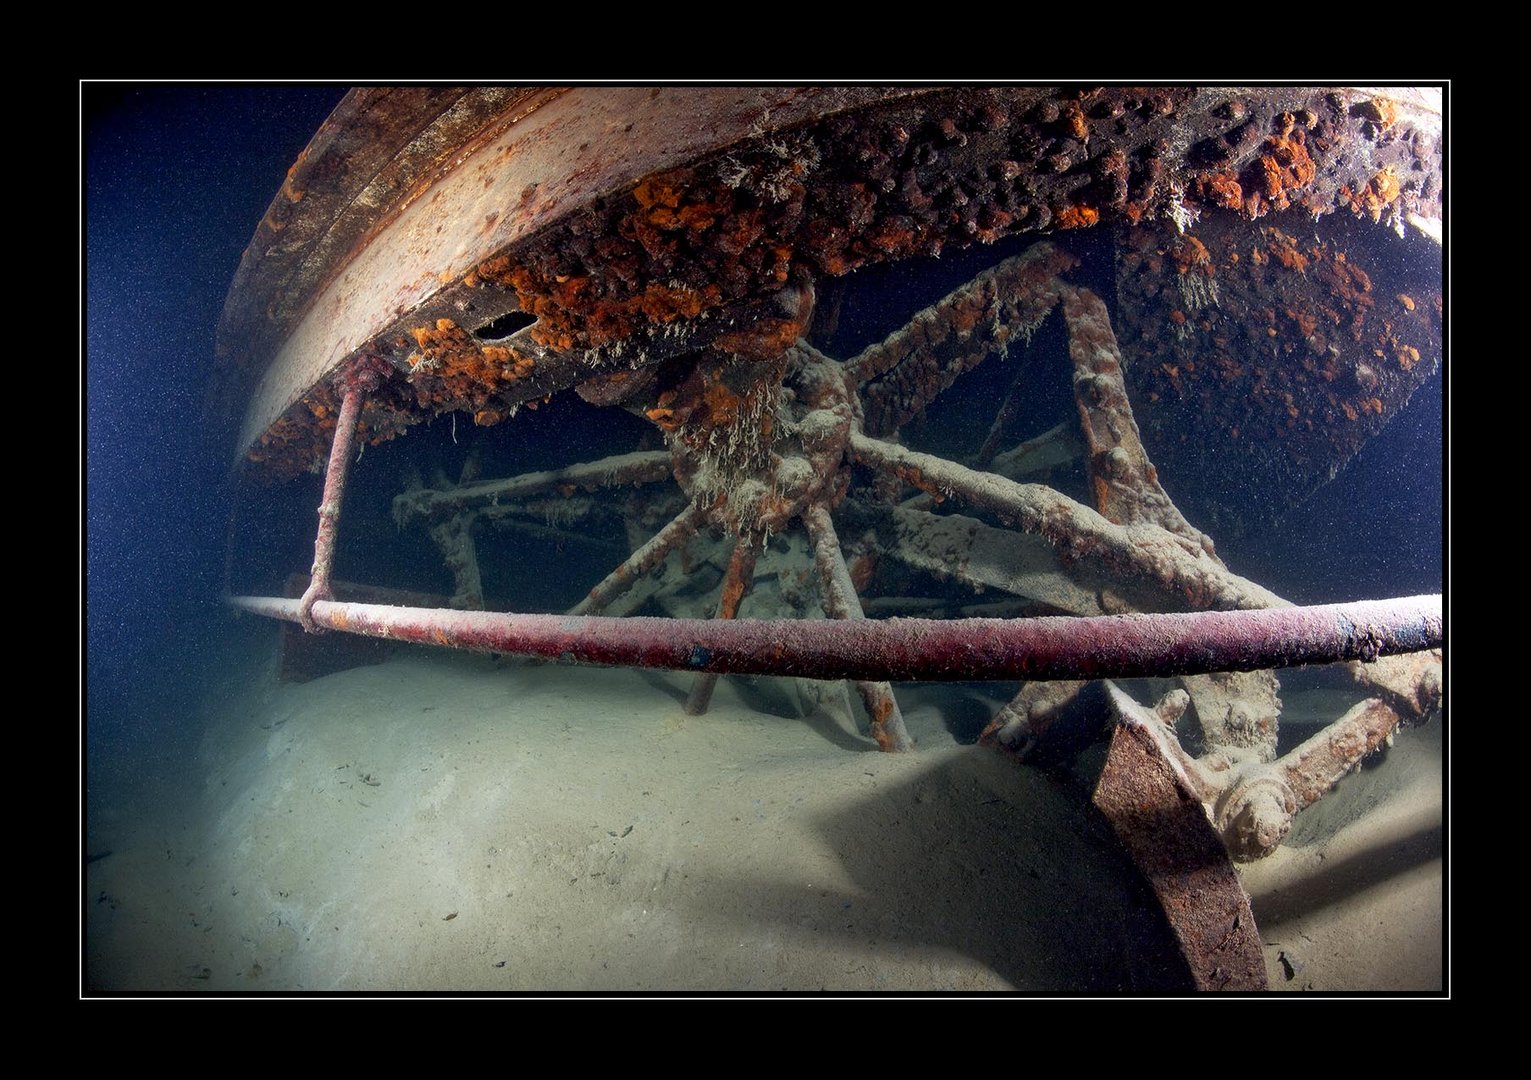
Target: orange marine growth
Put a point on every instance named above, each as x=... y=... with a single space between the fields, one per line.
x=1077 y=217
x=453 y=369
x=1282 y=170
x=1380 y=192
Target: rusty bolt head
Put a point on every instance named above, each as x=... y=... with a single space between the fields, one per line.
x=1256 y=816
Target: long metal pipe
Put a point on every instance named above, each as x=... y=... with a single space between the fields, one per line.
x=1104 y=647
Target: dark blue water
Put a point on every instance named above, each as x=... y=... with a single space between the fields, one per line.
x=175 y=180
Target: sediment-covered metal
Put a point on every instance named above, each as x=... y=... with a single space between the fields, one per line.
x=1318 y=763
x=642 y=561
x=453 y=537
x=642 y=467
x=1411 y=684
x=1183 y=573
x=1255 y=804
x=1127 y=489
x=1117 y=646
x=841 y=602
x=1155 y=809
x=960 y=548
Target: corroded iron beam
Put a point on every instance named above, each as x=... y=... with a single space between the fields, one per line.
x=1127 y=488
x=1254 y=809
x=903 y=374
x=1117 y=646
x=1146 y=552
x=1155 y=810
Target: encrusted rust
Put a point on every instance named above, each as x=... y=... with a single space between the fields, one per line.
x=1125 y=482
x=1253 y=803
x=1000 y=307
x=932 y=650
x=620 y=470
x=1148 y=553
x=353 y=388
x=728 y=195
x=1318 y=764
x=454 y=367
x=1314 y=333
x=1155 y=809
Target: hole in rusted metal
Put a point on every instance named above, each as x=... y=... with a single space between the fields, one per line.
x=504 y=326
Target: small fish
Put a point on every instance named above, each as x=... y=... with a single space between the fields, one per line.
x=449 y=918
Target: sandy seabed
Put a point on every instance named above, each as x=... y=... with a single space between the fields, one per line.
x=448 y=822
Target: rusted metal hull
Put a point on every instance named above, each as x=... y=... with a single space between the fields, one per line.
x=552 y=155
x=585 y=207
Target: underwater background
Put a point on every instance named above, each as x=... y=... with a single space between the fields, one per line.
x=174 y=180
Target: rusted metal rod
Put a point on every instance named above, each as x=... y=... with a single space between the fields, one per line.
x=841 y=602
x=329 y=507
x=736 y=586
x=1322 y=760
x=1255 y=808
x=643 y=560
x=1127 y=489
x=643 y=467
x=902 y=374
x=1116 y=646
x=1146 y=552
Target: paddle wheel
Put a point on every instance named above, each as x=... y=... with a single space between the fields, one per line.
x=675 y=254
